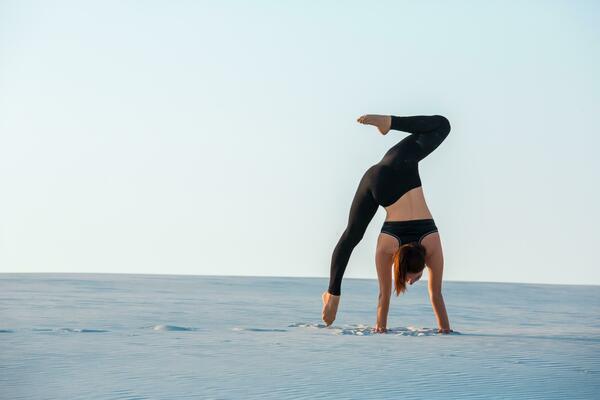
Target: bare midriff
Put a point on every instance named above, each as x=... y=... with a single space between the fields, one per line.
x=411 y=205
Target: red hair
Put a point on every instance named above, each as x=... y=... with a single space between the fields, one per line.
x=409 y=257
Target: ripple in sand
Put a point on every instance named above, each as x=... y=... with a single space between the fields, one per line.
x=70 y=330
x=82 y=330
x=165 y=328
x=306 y=325
x=259 y=329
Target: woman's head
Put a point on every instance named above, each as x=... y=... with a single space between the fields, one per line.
x=409 y=262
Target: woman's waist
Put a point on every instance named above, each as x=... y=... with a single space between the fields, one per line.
x=417 y=224
x=410 y=221
x=413 y=211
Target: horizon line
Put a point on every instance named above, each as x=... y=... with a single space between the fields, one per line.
x=278 y=276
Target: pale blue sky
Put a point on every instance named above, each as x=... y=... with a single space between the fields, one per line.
x=220 y=137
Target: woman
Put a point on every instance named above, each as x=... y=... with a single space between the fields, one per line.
x=409 y=239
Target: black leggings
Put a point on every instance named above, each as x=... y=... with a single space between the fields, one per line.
x=385 y=182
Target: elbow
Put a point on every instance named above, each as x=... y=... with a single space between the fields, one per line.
x=436 y=296
x=385 y=297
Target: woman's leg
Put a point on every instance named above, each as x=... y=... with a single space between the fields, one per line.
x=428 y=132
x=362 y=210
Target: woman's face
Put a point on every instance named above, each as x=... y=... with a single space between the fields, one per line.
x=413 y=277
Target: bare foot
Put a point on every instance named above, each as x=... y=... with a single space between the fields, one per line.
x=382 y=122
x=379 y=328
x=330 y=306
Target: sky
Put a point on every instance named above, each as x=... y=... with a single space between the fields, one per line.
x=220 y=137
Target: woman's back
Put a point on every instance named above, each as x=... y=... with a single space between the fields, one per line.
x=411 y=205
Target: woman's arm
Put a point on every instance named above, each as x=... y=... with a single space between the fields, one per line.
x=439 y=309
x=383 y=261
x=435 y=262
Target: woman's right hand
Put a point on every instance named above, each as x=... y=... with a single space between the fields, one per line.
x=330 y=306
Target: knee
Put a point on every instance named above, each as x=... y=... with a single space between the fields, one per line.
x=444 y=124
x=353 y=235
